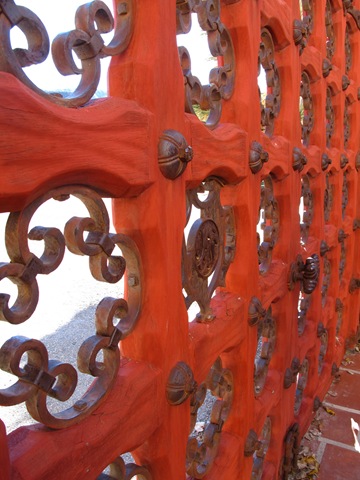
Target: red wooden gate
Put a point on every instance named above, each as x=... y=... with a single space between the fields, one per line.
x=270 y=194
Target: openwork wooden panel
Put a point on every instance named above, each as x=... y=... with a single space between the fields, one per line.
x=236 y=210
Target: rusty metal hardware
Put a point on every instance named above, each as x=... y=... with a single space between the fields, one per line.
x=328 y=198
x=256 y=312
x=291 y=373
x=330 y=117
x=345 y=82
x=121 y=471
x=322 y=334
x=307 y=115
x=221 y=79
x=261 y=451
x=308 y=208
x=307 y=273
x=357 y=161
x=326 y=279
x=174 y=154
x=92 y=21
x=304 y=305
x=299 y=160
x=342 y=263
x=308 y=15
x=330 y=33
x=348 y=51
x=342 y=235
x=257 y=157
x=347 y=131
x=343 y=161
x=210 y=247
x=301 y=382
x=354 y=285
x=181 y=384
x=252 y=444
x=114 y=318
x=291 y=444
x=325 y=161
x=326 y=67
x=266 y=339
x=269 y=224
x=270 y=110
x=202 y=449
x=356 y=224
x=300 y=34
x=345 y=194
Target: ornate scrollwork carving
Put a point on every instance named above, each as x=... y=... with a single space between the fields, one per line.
x=258 y=156
x=92 y=20
x=202 y=449
x=322 y=334
x=222 y=78
x=307 y=15
x=174 y=154
x=330 y=117
x=307 y=115
x=303 y=307
x=291 y=373
x=348 y=50
x=114 y=318
x=307 y=273
x=261 y=450
x=256 y=312
x=121 y=471
x=266 y=338
x=326 y=280
x=289 y=461
x=345 y=194
x=210 y=247
x=271 y=109
x=328 y=198
x=330 y=33
x=306 y=208
x=347 y=127
x=301 y=382
x=268 y=226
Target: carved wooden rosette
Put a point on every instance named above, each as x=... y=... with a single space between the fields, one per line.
x=307 y=113
x=115 y=318
x=210 y=247
x=330 y=117
x=330 y=34
x=221 y=79
x=269 y=224
x=118 y=470
x=260 y=452
x=270 y=106
x=266 y=339
x=203 y=446
x=308 y=208
x=92 y=20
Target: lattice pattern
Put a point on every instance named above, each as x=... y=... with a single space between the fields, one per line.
x=271 y=261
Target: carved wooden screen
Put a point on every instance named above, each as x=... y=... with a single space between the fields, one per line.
x=265 y=188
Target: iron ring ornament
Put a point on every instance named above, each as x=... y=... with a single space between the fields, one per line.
x=115 y=318
x=222 y=78
x=210 y=246
x=92 y=20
